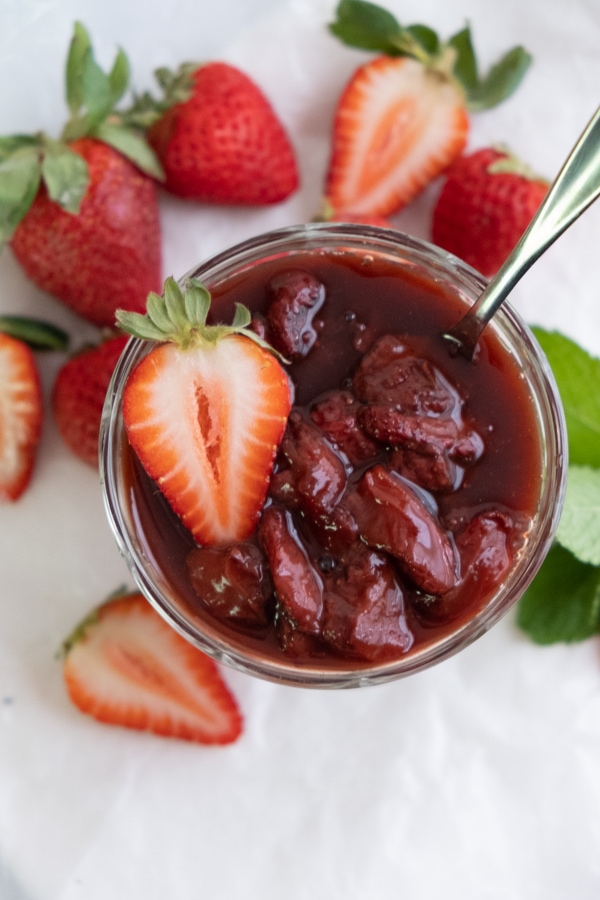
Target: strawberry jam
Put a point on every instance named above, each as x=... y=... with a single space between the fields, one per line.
x=404 y=488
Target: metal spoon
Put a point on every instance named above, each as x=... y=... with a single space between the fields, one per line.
x=576 y=187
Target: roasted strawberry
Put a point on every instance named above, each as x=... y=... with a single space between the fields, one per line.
x=205 y=412
x=224 y=143
x=404 y=116
x=21 y=416
x=125 y=666
x=81 y=218
x=487 y=201
x=78 y=396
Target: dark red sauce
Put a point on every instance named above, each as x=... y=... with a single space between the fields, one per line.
x=451 y=456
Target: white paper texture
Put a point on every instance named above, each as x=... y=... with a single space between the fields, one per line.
x=478 y=779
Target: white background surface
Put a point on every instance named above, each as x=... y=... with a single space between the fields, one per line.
x=479 y=779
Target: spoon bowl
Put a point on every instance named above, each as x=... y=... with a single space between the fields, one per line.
x=575 y=188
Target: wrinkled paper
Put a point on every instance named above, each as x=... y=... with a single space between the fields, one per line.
x=479 y=778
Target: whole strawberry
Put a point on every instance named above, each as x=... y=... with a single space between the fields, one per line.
x=78 y=396
x=487 y=201
x=107 y=255
x=225 y=143
x=404 y=116
x=81 y=212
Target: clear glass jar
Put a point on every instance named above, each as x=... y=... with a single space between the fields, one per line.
x=510 y=335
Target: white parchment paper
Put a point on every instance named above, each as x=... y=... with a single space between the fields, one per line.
x=478 y=779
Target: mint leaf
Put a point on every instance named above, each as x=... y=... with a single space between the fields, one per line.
x=367 y=26
x=579 y=526
x=19 y=182
x=501 y=81
x=65 y=175
x=563 y=602
x=577 y=375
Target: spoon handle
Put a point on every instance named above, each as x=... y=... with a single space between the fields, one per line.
x=576 y=186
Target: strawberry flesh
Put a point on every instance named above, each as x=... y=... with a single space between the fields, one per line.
x=206 y=439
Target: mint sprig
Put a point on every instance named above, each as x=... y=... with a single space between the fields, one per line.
x=368 y=26
x=563 y=602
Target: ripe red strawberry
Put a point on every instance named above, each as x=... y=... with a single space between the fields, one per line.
x=225 y=144
x=81 y=212
x=404 y=116
x=21 y=416
x=485 y=205
x=205 y=411
x=78 y=396
x=125 y=666
x=108 y=255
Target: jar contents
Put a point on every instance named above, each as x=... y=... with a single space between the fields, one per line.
x=403 y=488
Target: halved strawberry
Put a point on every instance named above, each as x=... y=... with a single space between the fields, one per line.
x=404 y=116
x=125 y=666
x=205 y=411
x=20 y=416
x=396 y=128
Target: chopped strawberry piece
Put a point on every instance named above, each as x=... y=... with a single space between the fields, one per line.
x=21 y=416
x=392 y=517
x=295 y=297
x=314 y=477
x=125 y=666
x=298 y=588
x=232 y=581
x=364 y=606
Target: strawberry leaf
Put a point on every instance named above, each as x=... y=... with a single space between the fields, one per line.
x=37 y=334
x=579 y=527
x=20 y=176
x=501 y=81
x=131 y=145
x=13 y=142
x=577 y=375
x=563 y=602
x=139 y=325
x=157 y=313
x=80 y=49
x=465 y=67
x=175 y=305
x=426 y=37
x=197 y=303
x=65 y=175
x=118 y=77
x=367 y=26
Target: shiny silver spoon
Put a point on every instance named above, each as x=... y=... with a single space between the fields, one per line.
x=576 y=187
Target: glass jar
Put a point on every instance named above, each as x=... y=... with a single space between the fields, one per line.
x=507 y=336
